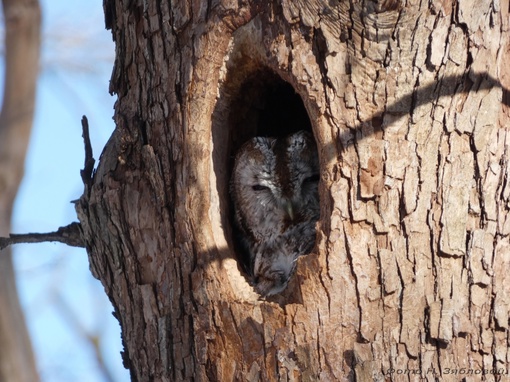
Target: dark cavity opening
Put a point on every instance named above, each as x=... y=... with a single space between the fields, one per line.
x=266 y=105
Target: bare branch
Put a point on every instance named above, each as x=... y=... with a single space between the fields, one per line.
x=70 y=235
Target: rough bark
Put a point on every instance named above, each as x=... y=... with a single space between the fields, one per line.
x=408 y=103
x=22 y=40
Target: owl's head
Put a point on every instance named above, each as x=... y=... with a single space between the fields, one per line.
x=277 y=176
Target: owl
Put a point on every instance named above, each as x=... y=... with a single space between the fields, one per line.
x=274 y=191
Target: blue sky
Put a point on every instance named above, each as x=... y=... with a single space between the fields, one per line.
x=63 y=303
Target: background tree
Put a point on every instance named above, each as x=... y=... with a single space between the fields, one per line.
x=59 y=298
x=409 y=107
x=22 y=42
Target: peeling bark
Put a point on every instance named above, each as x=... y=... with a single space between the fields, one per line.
x=408 y=103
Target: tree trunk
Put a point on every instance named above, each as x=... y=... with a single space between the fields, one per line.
x=408 y=103
x=22 y=42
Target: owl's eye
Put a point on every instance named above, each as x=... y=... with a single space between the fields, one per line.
x=311 y=179
x=259 y=187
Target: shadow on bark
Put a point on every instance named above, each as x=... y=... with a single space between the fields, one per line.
x=255 y=100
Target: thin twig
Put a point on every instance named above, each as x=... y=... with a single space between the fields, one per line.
x=93 y=339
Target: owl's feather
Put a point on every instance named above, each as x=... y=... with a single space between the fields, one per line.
x=274 y=190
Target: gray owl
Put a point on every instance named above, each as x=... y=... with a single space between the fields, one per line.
x=274 y=190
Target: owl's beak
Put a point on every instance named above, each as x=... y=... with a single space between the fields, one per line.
x=289 y=209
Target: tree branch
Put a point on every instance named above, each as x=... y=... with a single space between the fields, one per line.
x=70 y=235
x=88 y=167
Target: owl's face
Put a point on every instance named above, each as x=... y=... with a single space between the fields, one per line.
x=275 y=195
